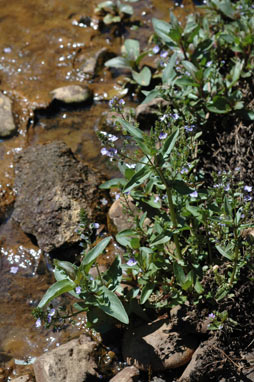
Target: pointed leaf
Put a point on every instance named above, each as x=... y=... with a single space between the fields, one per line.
x=132 y=130
x=132 y=49
x=170 y=143
x=56 y=290
x=138 y=178
x=114 y=308
x=118 y=62
x=146 y=292
x=96 y=251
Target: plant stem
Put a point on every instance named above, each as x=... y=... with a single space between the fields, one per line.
x=235 y=258
x=171 y=210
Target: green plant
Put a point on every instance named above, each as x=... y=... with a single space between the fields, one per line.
x=131 y=59
x=183 y=230
x=114 y=11
x=210 y=57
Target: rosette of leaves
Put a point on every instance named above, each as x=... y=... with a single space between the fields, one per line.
x=131 y=60
x=114 y=12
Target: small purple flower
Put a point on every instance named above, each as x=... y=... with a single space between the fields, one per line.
x=121 y=102
x=14 y=270
x=247 y=198
x=156 y=199
x=111 y=102
x=175 y=116
x=104 y=151
x=194 y=194
x=184 y=170
x=227 y=187
x=78 y=289
x=156 y=49
x=188 y=128
x=247 y=188
x=164 y=54
x=96 y=225
x=208 y=64
x=38 y=323
x=111 y=152
x=104 y=202
x=162 y=119
x=52 y=312
x=163 y=135
x=112 y=138
x=117 y=196
x=131 y=262
x=211 y=316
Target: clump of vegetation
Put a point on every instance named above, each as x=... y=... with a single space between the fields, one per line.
x=114 y=11
x=185 y=229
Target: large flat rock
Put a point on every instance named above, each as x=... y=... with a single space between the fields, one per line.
x=52 y=186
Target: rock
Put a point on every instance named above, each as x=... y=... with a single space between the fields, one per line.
x=155 y=345
x=119 y=217
x=24 y=378
x=93 y=65
x=72 y=94
x=128 y=374
x=195 y=366
x=7 y=125
x=147 y=113
x=71 y=362
x=52 y=186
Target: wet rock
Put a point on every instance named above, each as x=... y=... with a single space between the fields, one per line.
x=72 y=94
x=7 y=126
x=155 y=345
x=24 y=378
x=128 y=374
x=71 y=362
x=147 y=113
x=52 y=186
x=93 y=65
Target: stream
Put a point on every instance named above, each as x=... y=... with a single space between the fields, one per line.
x=42 y=45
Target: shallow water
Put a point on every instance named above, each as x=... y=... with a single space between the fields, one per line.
x=41 y=46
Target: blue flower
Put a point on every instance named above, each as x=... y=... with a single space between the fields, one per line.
x=188 y=128
x=78 y=289
x=38 y=323
x=156 y=49
x=164 y=54
x=14 y=270
x=194 y=194
x=131 y=262
x=247 y=188
x=163 y=135
x=211 y=316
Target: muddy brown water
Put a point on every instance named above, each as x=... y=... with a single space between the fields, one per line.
x=40 y=42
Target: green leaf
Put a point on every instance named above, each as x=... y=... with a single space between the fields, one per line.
x=186 y=81
x=162 y=29
x=127 y=9
x=124 y=237
x=118 y=62
x=225 y=253
x=220 y=105
x=169 y=73
x=181 y=187
x=56 y=290
x=132 y=130
x=138 y=178
x=169 y=143
x=226 y=8
x=116 y=182
x=69 y=268
x=190 y=68
x=114 y=307
x=151 y=95
x=146 y=292
x=109 y=19
x=198 y=287
x=96 y=251
x=132 y=49
x=135 y=243
x=143 y=78
x=162 y=238
x=179 y=273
